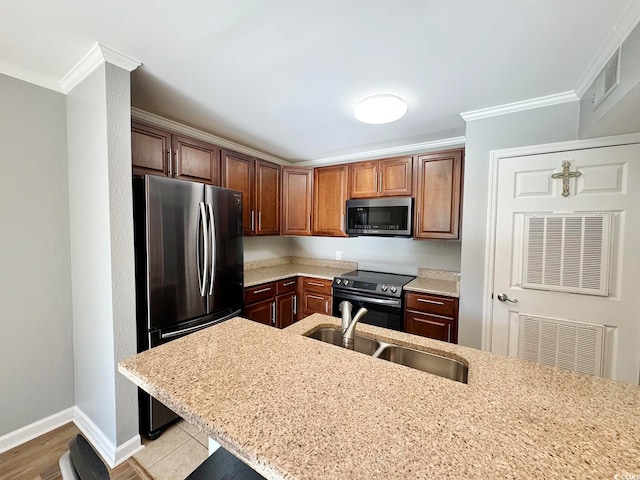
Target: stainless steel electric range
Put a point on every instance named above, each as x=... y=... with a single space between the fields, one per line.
x=380 y=293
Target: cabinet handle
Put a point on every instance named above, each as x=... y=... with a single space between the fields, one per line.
x=375 y=180
x=169 y=160
x=253 y=217
x=262 y=290
x=177 y=164
x=316 y=284
x=288 y=283
x=316 y=297
x=259 y=220
x=295 y=304
x=380 y=184
x=430 y=301
x=273 y=312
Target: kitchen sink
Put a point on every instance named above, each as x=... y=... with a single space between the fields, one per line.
x=427 y=362
x=423 y=361
x=361 y=344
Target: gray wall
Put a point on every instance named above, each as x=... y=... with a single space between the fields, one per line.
x=36 y=355
x=396 y=255
x=102 y=249
x=542 y=125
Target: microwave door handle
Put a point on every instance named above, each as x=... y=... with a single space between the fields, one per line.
x=212 y=222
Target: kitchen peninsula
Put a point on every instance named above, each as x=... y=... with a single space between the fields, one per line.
x=294 y=407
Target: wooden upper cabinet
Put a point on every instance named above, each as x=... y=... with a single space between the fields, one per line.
x=297 y=195
x=267 y=198
x=159 y=152
x=329 y=200
x=438 y=195
x=259 y=182
x=389 y=177
x=196 y=160
x=150 y=150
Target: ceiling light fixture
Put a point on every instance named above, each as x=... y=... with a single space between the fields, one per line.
x=381 y=108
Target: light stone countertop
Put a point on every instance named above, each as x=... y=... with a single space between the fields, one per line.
x=280 y=272
x=294 y=407
x=439 y=282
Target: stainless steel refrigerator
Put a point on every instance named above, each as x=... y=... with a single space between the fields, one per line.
x=189 y=267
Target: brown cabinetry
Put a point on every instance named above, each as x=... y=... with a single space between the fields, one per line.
x=315 y=296
x=297 y=194
x=438 y=190
x=432 y=316
x=381 y=178
x=159 y=152
x=329 y=200
x=259 y=182
x=273 y=303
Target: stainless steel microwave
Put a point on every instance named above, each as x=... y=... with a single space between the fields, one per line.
x=392 y=217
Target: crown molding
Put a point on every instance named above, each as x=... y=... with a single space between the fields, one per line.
x=97 y=56
x=624 y=26
x=386 y=152
x=162 y=122
x=29 y=76
x=555 y=99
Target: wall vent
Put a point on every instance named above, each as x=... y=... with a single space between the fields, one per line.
x=567 y=253
x=607 y=80
x=566 y=344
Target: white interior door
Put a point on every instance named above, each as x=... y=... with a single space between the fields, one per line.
x=539 y=258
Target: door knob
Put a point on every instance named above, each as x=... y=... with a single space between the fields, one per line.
x=504 y=298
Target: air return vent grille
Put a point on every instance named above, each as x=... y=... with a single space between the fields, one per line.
x=562 y=343
x=567 y=253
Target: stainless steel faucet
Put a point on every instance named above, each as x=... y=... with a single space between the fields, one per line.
x=349 y=324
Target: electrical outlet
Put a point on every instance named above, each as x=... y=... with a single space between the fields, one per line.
x=338 y=255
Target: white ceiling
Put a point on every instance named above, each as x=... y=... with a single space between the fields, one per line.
x=283 y=76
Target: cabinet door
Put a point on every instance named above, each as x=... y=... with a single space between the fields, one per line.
x=262 y=312
x=267 y=199
x=285 y=309
x=364 y=180
x=196 y=160
x=329 y=201
x=315 y=303
x=150 y=150
x=396 y=177
x=297 y=194
x=237 y=174
x=431 y=326
x=438 y=191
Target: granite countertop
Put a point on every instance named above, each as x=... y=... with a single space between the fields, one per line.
x=439 y=282
x=281 y=268
x=294 y=407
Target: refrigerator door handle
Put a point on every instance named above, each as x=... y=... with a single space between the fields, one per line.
x=199 y=327
x=212 y=222
x=203 y=273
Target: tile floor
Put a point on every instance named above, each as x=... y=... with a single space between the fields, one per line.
x=177 y=453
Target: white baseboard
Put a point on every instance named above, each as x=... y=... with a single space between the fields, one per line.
x=111 y=454
x=29 y=432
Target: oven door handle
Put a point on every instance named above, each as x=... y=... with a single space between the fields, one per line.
x=362 y=298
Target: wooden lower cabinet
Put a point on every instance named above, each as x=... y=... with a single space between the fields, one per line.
x=315 y=296
x=274 y=303
x=432 y=316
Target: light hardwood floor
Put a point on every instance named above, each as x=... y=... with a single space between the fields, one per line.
x=38 y=459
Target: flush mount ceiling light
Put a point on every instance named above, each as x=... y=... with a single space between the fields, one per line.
x=379 y=109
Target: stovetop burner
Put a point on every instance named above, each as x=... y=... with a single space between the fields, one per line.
x=374 y=283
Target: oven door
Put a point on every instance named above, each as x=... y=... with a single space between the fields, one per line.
x=382 y=312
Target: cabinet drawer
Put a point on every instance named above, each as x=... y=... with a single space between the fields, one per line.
x=431 y=304
x=431 y=326
x=319 y=285
x=259 y=292
x=287 y=285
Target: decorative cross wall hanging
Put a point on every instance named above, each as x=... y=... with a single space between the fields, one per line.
x=565 y=176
